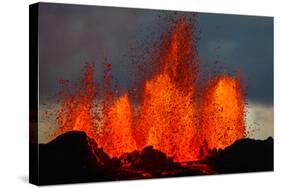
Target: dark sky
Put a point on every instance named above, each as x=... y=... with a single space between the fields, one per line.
x=71 y=35
x=241 y=41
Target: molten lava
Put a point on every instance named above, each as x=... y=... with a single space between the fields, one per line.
x=118 y=139
x=167 y=112
x=171 y=115
x=75 y=112
x=222 y=112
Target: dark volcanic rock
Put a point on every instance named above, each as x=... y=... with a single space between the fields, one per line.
x=154 y=163
x=152 y=159
x=245 y=155
x=148 y=159
x=75 y=158
x=69 y=159
x=158 y=164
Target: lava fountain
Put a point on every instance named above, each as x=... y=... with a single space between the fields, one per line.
x=222 y=112
x=118 y=139
x=171 y=115
x=167 y=112
x=75 y=112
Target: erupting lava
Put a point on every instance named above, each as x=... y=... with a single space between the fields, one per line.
x=167 y=112
x=75 y=112
x=118 y=139
x=222 y=112
x=168 y=116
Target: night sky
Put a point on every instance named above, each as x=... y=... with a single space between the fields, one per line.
x=71 y=35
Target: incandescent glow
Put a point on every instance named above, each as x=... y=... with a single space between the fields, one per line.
x=118 y=132
x=172 y=115
x=167 y=112
x=222 y=112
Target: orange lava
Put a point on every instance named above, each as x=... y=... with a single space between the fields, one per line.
x=171 y=115
x=75 y=112
x=118 y=132
x=222 y=112
x=167 y=112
